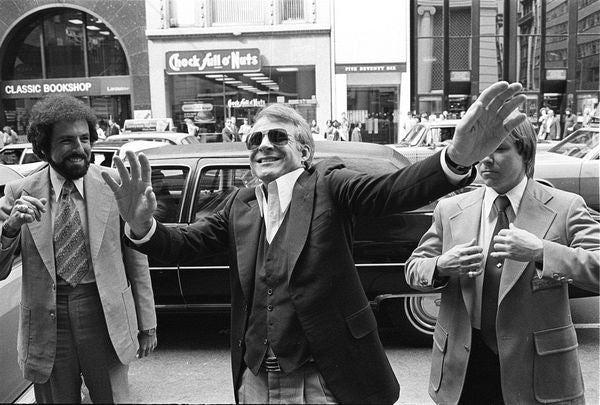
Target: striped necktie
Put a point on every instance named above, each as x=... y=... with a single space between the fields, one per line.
x=70 y=248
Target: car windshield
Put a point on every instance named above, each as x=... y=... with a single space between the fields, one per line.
x=578 y=144
x=414 y=136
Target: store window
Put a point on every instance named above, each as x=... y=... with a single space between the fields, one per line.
x=375 y=109
x=209 y=100
x=491 y=43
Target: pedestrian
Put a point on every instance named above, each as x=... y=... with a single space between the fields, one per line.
x=84 y=296
x=244 y=130
x=100 y=131
x=551 y=126
x=9 y=136
x=335 y=131
x=113 y=127
x=302 y=329
x=329 y=130
x=542 y=122
x=502 y=257
x=570 y=122
x=356 y=134
x=192 y=128
x=314 y=129
x=229 y=131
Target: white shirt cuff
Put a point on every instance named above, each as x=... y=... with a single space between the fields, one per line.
x=452 y=177
x=146 y=237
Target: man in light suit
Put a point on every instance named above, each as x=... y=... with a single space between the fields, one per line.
x=87 y=306
x=302 y=330
x=505 y=334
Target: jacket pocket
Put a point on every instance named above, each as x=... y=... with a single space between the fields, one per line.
x=440 y=343
x=24 y=334
x=556 y=371
x=362 y=323
x=129 y=308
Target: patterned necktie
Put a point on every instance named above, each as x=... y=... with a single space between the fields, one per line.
x=491 y=279
x=70 y=249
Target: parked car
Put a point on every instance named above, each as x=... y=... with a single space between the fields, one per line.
x=425 y=139
x=173 y=138
x=21 y=157
x=13 y=385
x=103 y=152
x=573 y=165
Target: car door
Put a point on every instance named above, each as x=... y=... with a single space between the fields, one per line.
x=588 y=179
x=205 y=282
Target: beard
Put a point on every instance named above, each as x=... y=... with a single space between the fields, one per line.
x=69 y=170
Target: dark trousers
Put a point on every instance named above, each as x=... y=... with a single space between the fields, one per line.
x=482 y=382
x=83 y=348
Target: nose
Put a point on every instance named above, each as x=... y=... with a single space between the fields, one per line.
x=488 y=160
x=265 y=143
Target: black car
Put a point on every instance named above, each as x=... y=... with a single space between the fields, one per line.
x=193 y=181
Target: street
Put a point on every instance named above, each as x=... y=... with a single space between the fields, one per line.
x=191 y=364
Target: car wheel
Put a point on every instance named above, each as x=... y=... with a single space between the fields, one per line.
x=416 y=317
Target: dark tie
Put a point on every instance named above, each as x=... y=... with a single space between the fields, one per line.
x=70 y=249
x=491 y=279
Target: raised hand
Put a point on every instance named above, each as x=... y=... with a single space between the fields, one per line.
x=25 y=210
x=487 y=122
x=135 y=198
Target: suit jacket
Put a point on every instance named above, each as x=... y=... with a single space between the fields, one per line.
x=122 y=275
x=322 y=280
x=537 y=344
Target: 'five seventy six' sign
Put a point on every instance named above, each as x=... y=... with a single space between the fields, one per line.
x=213 y=61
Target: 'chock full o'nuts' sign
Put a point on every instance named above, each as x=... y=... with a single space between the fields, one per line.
x=213 y=61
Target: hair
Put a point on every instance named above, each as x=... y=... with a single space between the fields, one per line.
x=525 y=140
x=284 y=113
x=51 y=110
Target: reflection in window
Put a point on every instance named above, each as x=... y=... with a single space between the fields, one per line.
x=105 y=55
x=215 y=185
x=168 y=184
x=63 y=44
x=23 y=58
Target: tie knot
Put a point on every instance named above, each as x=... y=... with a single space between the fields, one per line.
x=67 y=188
x=501 y=203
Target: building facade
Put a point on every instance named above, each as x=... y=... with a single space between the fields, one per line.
x=460 y=47
x=96 y=51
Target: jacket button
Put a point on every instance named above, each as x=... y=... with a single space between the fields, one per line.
x=269 y=307
x=270 y=291
x=53 y=287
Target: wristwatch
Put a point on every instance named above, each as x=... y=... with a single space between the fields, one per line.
x=9 y=233
x=455 y=167
x=149 y=332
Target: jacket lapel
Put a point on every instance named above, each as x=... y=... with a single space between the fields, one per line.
x=534 y=216
x=99 y=201
x=300 y=214
x=464 y=226
x=247 y=234
x=42 y=231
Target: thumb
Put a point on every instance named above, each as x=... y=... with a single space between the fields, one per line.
x=512 y=226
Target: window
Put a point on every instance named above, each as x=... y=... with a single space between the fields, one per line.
x=215 y=185
x=169 y=184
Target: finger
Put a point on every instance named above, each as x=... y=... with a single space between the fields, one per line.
x=475 y=273
x=114 y=186
x=500 y=254
x=123 y=172
x=489 y=94
x=501 y=247
x=35 y=203
x=504 y=97
x=150 y=196
x=472 y=259
x=470 y=250
x=513 y=121
x=134 y=164
x=146 y=169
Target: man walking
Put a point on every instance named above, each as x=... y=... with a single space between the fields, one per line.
x=302 y=330
x=87 y=306
x=502 y=256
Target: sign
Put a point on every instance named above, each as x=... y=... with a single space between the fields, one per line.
x=214 y=61
x=201 y=113
x=460 y=76
x=370 y=68
x=556 y=74
x=87 y=86
x=148 y=125
x=243 y=103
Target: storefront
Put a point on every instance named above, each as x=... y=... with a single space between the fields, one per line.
x=73 y=50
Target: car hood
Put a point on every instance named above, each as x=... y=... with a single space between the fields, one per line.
x=550 y=157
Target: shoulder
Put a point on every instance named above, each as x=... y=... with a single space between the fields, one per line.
x=327 y=166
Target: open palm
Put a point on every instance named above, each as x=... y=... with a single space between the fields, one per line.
x=135 y=199
x=487 y=122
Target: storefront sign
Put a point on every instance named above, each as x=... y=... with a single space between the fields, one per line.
x=221 y=61
x=196 y=107
x=243 y=103
x=556 y=74
x=370 y=68
x=90 y=86
x=460 y=76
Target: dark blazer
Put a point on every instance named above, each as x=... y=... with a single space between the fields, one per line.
x=537 y=343
x=323 y=283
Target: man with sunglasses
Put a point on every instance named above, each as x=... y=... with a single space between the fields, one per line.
x=302 y=330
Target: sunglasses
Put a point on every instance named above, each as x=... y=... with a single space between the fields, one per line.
x=277 y=137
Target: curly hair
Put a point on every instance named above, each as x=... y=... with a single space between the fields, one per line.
x=52 y=109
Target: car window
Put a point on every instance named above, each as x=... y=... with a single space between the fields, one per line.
x=446 y=134
x=578 y=145
x=215 y=185
x=10 y=156
x=169 y=185
x=30 y=157
x=103 y=158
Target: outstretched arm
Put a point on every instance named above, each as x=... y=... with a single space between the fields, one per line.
x=135 y=198
x=487 y=122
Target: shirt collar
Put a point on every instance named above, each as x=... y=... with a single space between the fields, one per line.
x=514 y=196
x=285 y=187
x=58 y=180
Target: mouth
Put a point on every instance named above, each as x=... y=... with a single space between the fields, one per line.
x=267 y=159
x=76 y=159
